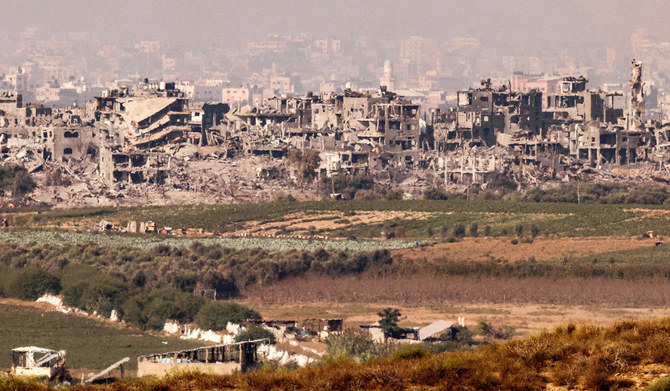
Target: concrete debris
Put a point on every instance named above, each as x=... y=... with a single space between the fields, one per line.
x=150 y=145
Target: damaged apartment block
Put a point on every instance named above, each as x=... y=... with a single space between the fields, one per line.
x=150 y=134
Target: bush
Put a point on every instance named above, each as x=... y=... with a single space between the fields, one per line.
x=474 y=230
x=661 y=385
x=435 y=193
x=151 y=310
x=404 y=352
x=518 y=229
x=349 y=186
x=255 y=332
x=351 y=343
x=486 y=329
x=215 y=315
x=459 y=230
x=602 y=193
x=16 y=180
x=100 y=293
x=32 y=283
x=534 y=230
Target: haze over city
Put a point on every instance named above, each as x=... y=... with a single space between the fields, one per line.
x=213 y=36
x=334 y=195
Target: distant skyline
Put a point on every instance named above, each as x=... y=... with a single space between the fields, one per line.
x=521 y=25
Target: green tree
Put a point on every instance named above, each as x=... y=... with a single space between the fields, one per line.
x=16 y=180
x=30 y=284
x=351 y=343
x=216 y=314
x=459 y=230
x=253 y=333
x=474 y=230
x=389 y=322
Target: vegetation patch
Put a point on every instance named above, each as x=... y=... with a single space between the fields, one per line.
x=90 y=343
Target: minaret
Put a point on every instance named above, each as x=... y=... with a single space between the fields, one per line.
x=636 y=104
x=388 y=80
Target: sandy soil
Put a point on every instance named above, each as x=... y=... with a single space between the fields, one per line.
x=527 y=319
x=481 y=249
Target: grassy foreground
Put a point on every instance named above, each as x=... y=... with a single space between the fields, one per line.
x=90 y=343
x=627 y=355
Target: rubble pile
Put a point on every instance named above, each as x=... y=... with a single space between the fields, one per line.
x=148 y=145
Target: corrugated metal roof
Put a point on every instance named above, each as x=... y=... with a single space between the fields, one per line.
x=434 y=328
x=34 y=349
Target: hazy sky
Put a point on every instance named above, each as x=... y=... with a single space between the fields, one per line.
x=530 y=24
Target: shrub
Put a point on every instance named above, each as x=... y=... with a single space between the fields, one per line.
x=486 y=329
x=534 y=230
x=165 y=304
x=215 y=315
x=410 y=351
x=661 y=385
x=459 y=230
x=487 y=230
x=518 y=229
x=351 y=343
x=255 y=332
x=444 y=230
x=32 y=283
x=435 y=193
x=16 y=180
x=474 y=230
x=564 y=374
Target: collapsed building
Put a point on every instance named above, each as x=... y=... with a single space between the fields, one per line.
x=354 y=132
x=494 y=131
x=151 y=135
x=222 y=359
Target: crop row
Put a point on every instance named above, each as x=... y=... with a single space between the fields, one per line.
x=25 y=237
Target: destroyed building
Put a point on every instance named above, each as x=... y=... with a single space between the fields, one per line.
x=516 y=132
x=151 y=135
x=216 y=359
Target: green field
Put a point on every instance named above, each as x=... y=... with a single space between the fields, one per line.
x=38 y=237
x=565 y=219
x=90 y=344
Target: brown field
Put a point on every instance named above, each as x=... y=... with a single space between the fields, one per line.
x=527 y=319
x=529 y=304
x=542 y=248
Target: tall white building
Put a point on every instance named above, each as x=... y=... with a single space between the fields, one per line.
x=387 y=79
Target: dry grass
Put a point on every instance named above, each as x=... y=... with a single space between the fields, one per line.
x=627 y=355
x=412 y=290
x=542 y=248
